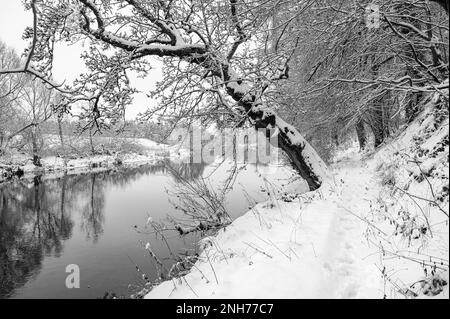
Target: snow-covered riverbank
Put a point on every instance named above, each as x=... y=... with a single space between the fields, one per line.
x=379 y=228
x=21 y=164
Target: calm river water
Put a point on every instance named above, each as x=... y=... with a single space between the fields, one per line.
x=98 y=222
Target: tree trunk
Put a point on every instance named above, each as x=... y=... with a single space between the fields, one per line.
x=412 y=107
x=361 y=134
x=3 y=140
x=36 y=158
x=378 y=134
x=91 y=143
x=304 y=159
x=379 y=123
x=302 y=155
x=61 y=138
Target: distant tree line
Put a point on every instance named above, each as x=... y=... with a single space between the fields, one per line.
x=30 y=111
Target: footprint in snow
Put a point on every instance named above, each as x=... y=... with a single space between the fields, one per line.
x=346 y=260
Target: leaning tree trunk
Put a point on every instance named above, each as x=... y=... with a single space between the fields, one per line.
x=302 y=155
x=361 y=134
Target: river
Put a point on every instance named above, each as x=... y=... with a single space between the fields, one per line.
x=100 y=222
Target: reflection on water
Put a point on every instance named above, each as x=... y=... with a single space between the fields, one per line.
x=89 y=220
x=33 y=224
x=92 y=211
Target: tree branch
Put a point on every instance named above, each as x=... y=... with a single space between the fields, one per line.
x=241 y=35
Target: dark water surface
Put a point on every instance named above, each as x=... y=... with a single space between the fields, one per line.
x=95 y=221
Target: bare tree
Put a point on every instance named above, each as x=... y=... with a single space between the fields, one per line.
x=208 y=46
x=60 y=117
x=10 y=86
x=36 y=108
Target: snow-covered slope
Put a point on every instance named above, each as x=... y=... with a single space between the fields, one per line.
x=379 y=228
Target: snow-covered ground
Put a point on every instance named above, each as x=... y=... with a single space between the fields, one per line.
x=378 y=228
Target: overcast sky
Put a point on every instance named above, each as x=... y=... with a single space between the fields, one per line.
x=67 y=62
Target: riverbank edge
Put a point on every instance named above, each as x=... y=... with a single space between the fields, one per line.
x=54 y=167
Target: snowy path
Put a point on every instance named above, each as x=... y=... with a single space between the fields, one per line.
x=348 y=273
x=313 y=247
